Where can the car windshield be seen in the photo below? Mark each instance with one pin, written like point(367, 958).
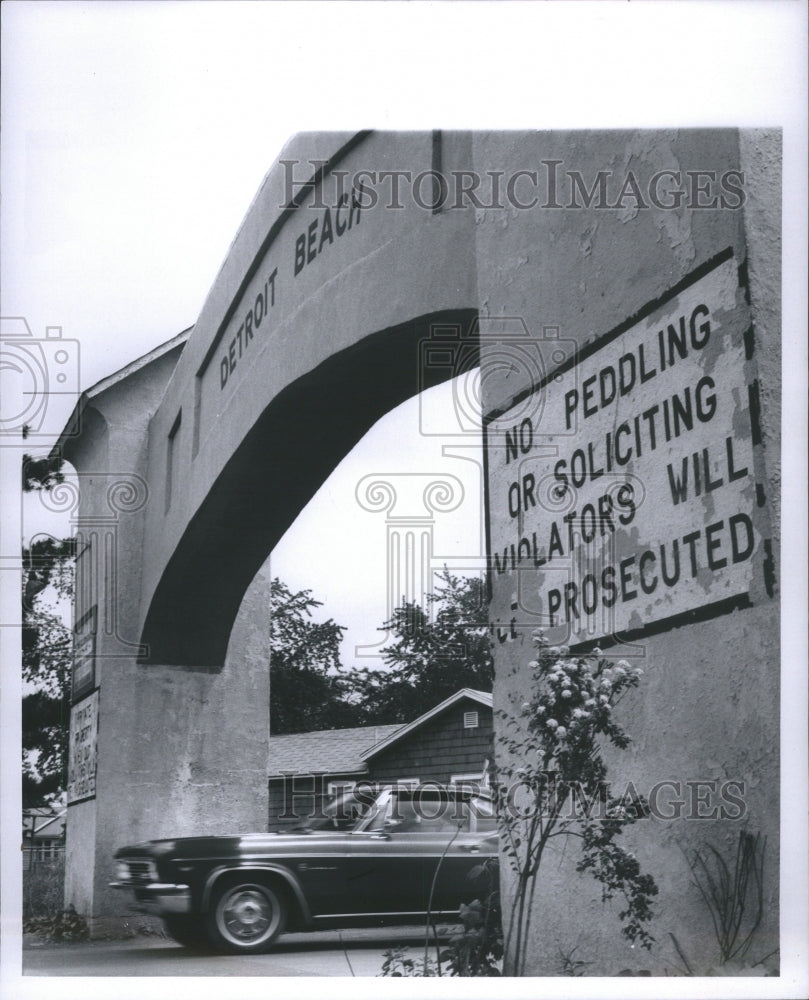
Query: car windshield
point(344, 811)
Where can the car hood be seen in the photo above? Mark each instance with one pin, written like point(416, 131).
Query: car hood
point(242, 844)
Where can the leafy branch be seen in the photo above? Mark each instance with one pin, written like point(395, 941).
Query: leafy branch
point(559, 788)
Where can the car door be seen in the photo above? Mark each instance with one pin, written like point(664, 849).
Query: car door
point(415, 846)
point(320, 870)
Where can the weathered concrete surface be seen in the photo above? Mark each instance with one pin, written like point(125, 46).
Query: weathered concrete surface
point(708, 705)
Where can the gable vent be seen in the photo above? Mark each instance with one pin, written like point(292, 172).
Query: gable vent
point(470, 720)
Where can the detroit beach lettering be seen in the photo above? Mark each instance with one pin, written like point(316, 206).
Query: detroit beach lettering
point(319, 234)
point(249, 326)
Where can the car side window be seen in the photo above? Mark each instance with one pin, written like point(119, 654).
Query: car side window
point(375, 815)
point(423, 814)
point(404, 818)
point(484, 817)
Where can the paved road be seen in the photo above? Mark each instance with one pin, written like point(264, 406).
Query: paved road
point(317, 954)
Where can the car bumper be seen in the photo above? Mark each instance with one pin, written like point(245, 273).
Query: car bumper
point(158, 899)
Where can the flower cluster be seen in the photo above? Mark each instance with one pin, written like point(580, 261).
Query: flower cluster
point(573, 698)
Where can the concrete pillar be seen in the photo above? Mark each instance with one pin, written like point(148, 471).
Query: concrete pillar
point(582, 262)
point(178, 750)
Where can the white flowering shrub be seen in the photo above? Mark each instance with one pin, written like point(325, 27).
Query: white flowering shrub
point(557, 786)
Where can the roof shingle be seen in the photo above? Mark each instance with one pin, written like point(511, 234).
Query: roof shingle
point(335, 751)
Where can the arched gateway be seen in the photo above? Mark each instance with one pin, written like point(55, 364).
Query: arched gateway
point(620, 291)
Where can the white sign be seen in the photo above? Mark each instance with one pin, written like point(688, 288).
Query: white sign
point(82, 753)
point(638, 504)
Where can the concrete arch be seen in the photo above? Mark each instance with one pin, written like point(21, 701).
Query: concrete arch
point(314, 328)
point(298, 440)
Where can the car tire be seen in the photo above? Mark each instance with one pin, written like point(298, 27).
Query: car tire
point(187, 931)
point(246, 915)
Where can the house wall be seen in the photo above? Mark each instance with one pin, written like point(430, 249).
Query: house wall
point(46, 850)
point(439, 749)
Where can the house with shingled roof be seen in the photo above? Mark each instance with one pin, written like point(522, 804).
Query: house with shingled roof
point(450, 744)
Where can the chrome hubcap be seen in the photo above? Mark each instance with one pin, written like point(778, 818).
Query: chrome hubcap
point(247, 915)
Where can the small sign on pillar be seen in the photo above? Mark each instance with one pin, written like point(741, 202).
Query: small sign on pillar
point(84, 654)
point(83, 750)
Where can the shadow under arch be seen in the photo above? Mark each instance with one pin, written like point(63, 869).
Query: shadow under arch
point(300, 438)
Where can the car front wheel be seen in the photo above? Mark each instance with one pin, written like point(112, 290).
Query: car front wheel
point(246, 916)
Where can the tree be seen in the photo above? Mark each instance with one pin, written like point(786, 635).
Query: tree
point(47, 657)
point(42, 473)
point(306, 691)
point(432, 656)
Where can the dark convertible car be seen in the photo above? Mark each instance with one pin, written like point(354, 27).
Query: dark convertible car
point(372, 856)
